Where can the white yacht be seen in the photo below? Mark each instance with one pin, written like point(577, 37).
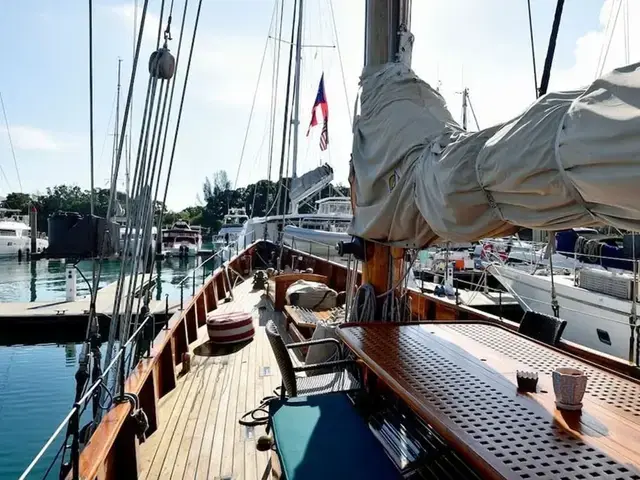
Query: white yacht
point(133, 234)
point(181, 240)
point(15, 235)
point(232, 225)
point(317, 233)
point(596, 300)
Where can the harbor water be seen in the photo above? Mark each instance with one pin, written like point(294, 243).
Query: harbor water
point(37, 381)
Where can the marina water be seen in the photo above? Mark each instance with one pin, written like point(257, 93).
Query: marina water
point(37, 381)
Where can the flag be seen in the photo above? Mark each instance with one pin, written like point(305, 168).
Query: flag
point(321, 101)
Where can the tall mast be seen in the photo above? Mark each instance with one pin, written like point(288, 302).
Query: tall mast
point(296, 92)
point(385, 21)
point(465, 94)
point(116, 128)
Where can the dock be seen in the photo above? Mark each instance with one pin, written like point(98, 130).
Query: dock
point(33, 322)
point(502, 304)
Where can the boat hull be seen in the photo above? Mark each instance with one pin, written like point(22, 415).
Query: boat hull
point(10, 246)
point(316, 242)
point(188, 250)
point(586, 312)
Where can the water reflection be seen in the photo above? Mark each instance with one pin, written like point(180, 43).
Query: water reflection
point(44, 280)
point(70, 354)
point(37, 381)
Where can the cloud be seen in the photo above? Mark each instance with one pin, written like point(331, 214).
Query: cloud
point(26, 137)
point(489, 55)
point(599, 51)
point(127, 13)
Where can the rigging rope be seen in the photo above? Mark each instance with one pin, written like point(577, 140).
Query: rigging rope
point(286, 108)
point(274, 99)
point(533, 49)
point(13, 152)
point(255, 95)
point(179, 116)
point(116, 316)
point(91, 195)
point(544, 85)
point(604, 52)
point(118, 156)
point(127, 165)
point(161, 69)
point(150, 215)
point(344, 82)
point(627, 52)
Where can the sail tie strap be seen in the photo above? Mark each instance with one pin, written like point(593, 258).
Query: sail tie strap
point(571, 188)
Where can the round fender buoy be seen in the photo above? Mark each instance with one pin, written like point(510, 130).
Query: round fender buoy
point(233, 327)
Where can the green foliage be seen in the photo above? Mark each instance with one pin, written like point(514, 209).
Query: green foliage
point(18, 201)
point(219, 196)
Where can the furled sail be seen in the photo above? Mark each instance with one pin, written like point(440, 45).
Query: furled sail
point(571, 159)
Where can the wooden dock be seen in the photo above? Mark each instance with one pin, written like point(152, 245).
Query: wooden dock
point(62, 321)
point(475, 298)
point(104, 303)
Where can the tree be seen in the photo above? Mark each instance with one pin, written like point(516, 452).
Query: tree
point(221, 181)
point(257, 199)
point(18, 201)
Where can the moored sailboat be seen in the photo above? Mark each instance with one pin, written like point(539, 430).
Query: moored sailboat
point(436, 393)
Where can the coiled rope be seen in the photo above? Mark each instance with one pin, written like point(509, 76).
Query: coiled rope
point(363, 307)
point(589, 250)
point(260, 414)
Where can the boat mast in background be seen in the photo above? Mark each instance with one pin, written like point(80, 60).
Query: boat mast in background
point(116, 124)
point(466, 105)
point(296, 91)
point(386, 22)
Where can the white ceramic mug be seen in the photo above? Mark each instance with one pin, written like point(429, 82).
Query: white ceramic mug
point(569, 385)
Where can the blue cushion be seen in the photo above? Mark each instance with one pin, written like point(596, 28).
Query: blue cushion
point(322, 436)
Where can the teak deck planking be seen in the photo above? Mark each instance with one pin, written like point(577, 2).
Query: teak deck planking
point(211, 391)
point(199, 434)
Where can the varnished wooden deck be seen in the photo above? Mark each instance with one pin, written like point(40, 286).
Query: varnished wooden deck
point(199, 436)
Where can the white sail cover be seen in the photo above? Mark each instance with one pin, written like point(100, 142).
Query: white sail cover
point(572, 159)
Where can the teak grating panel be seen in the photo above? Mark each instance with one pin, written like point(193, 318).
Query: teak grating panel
point(602, 386)
point(510, 433)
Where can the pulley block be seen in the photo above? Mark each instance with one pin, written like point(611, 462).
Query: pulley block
point(162, 64)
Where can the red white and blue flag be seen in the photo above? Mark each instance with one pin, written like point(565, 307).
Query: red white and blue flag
point(321, 101)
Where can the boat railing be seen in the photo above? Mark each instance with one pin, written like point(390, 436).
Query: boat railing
point(231, 249)
point(480, 286)
point(307, 246)
point(578, 261)
point(73, 418)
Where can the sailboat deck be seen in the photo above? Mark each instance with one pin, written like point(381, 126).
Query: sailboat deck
point(199, 434)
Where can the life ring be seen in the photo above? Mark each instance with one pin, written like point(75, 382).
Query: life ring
point(228, 328)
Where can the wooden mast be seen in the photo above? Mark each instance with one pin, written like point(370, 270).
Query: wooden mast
point(384, 20)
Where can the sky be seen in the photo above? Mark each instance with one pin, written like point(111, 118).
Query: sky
point(482, 45)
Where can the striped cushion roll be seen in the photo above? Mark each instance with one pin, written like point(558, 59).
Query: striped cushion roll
point(233, 327)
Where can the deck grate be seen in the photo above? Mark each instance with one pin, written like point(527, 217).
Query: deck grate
point(603, 387)
point(516, 433)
